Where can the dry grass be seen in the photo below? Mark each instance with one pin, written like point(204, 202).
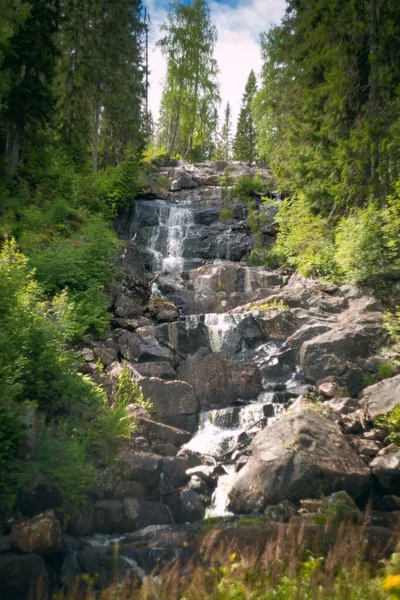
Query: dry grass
point(275, 562)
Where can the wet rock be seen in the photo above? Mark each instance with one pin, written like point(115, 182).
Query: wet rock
point(167, 316)
point(141, 466)
point(23, 577)
point(186, 506)
point(250, 331)
point(185, 338)
point(218, 382)
point(209, 474)
point(302, 455)
point(174, 471)
point(381, 398)
point(131, 293)
point(154, 430)
point(281, 512)
point(40, 534)
point(153, 513)
point(106, 567)
point(386, 468)
point(174, 402)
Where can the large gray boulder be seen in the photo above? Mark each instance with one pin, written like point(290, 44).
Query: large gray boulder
point(159, 432)
point(174, 402)
point(218, 382)
point(132, 290)
point(330, 352)
point(303, 455)
point(386, 468)
point(381, 398)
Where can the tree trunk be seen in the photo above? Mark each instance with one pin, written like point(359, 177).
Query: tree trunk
point(96, 132)
point(15, 151)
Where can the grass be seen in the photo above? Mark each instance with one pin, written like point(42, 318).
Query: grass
point(268, 306)
point(267, 564)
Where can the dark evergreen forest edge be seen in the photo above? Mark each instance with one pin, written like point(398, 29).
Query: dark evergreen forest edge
point(78, 143)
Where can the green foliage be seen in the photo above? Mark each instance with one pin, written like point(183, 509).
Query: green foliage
point(223, 146)
point(128, 391)
point(336, 510)
point(63, 460)
point(391, 422)
point(268, 306)
point(305, 240)
point(385, 371)
point(246, 187)
point(188, 115)
point(226, 213)
point(391, 322)
point(244, 145)
point(163, 182)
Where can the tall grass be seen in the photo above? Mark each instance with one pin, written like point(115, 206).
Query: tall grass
point(283, 563)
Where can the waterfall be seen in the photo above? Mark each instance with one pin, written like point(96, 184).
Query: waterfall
point(169, 225)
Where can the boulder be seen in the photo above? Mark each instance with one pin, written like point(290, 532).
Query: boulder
point(105, 355)
point(167, 316)
point(218, 382)
point(82, 522)
point(129, 489)
point(185, 506)
point(141, 466)
point(153, 513)
point(131, 292)
point(23, 577)
point(303, 455)
point(386, 468)
point(105, 566)
point(131, 507)
point(161, 370)
point(381, 398)
point(281, 512)
point(153, 430)
point(40, 534)
point(329, 353)
point(174, 402)
point(108, 514)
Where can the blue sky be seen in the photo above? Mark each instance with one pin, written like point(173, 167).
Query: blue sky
point(239, 24)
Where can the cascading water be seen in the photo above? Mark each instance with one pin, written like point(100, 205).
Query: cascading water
point(168, 232)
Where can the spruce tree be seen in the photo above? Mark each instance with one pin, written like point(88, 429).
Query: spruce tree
point(244, 146)
point(224, 142)
point(190, 96)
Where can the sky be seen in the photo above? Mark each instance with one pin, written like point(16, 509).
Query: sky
point(239, 24)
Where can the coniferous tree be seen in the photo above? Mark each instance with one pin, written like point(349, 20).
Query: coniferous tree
point(327, 114)
point(28, 65)
point(244, 146)
point(190, 96)
point(224, 142)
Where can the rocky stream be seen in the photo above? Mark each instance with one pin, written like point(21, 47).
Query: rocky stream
point(257, 378)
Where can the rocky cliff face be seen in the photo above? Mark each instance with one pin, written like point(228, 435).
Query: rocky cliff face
point(222, 348)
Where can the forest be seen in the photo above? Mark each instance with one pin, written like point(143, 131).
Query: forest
point(79, 146)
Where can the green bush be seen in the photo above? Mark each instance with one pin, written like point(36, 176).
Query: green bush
point(391, 322)
point(391, 422)
point(128, 391)
point(226, 213)
point(64, 461)
point(83, 264)
point(246, 187)
point(305, 240)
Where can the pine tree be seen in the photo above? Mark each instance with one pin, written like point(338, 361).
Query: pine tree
point(190, 95)
point(244, 146)
point(28, 61)
point(224, 141)
point(100, 79)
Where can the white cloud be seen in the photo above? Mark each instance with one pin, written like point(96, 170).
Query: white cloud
point(237, 50)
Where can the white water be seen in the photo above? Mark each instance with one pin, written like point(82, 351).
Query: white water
point(167, 239)
point(220, 497)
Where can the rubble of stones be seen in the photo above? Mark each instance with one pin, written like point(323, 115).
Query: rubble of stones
point(154, 498)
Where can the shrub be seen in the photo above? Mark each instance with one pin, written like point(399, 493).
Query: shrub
point(128, 391)
point(391, 322)
point(246, 187)
point(82, 264)
point(391, 422)
point(268, 306)
point(64, 461)
point(226, 213)
point(304, 240)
